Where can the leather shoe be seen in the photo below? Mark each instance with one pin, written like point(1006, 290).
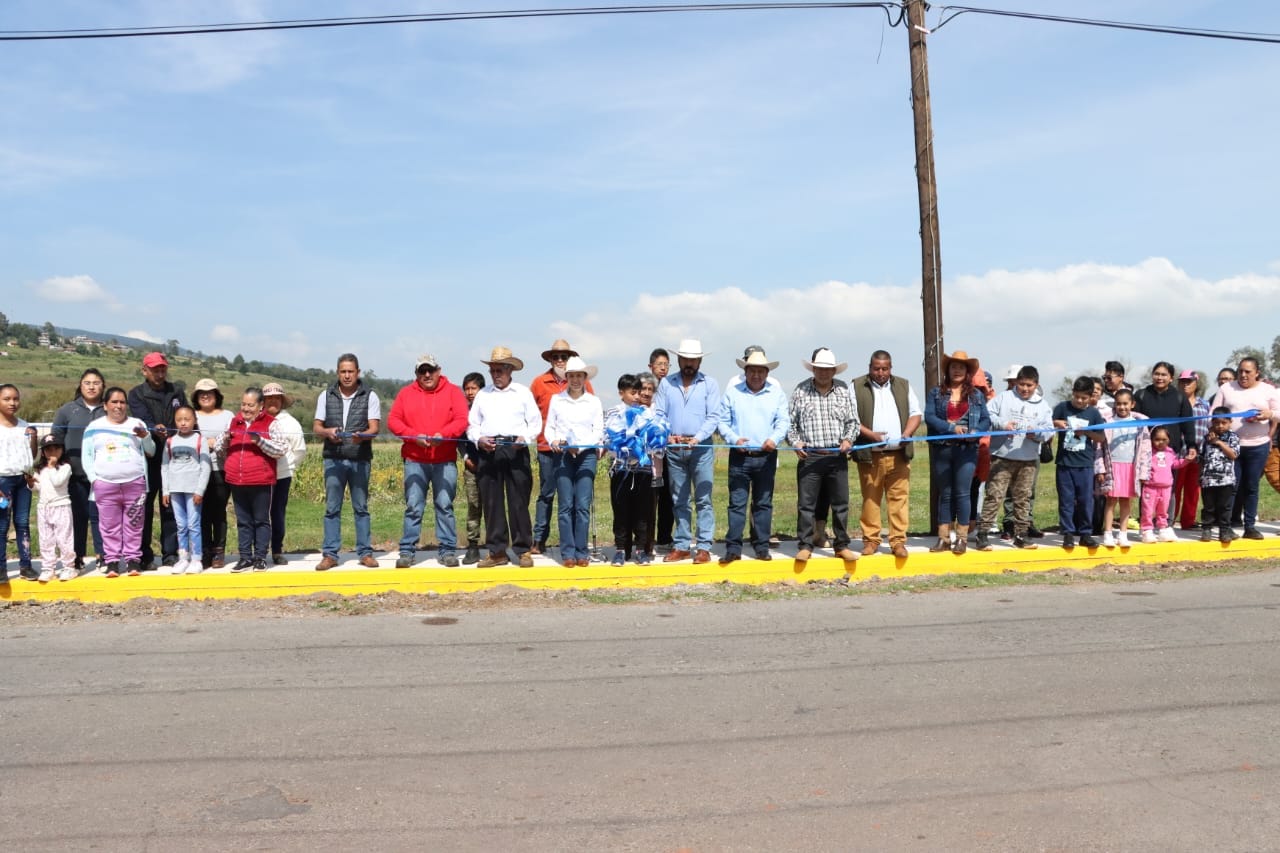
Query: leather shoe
point(803, 555)
point(526, 560)
point(765, 556)
point(675, 555)
point(538, 548)
point(326, 563)
point(583, 562)
point(368, 561)
point(703, 556)
point(869, 548)
point(727, 558)
point(847, 555)
point(900, 550)
point(494, 559)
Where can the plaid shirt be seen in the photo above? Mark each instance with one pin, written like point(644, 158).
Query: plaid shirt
point(1200, 408)
point(822, 420)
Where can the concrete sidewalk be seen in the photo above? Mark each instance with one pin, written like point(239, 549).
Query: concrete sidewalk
point(349, 578)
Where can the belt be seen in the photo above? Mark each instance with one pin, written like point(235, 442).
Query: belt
point(814, 451)
point(887, 449)
point(751, 452)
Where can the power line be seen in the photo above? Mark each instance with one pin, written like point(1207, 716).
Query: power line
point(888, 6)
point(950, 13)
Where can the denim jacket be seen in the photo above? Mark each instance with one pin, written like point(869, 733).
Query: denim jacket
point(935, 413)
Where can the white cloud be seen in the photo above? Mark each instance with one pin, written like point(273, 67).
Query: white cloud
point(224, 333)
point(144, 336)
point(72, 288)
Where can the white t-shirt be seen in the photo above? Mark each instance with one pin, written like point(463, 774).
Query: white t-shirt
point(15, 450)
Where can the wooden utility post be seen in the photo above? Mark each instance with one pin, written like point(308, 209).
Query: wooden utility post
point(927, 187)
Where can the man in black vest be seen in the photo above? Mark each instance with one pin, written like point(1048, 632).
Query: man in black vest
point(348, 417)
point(888, 411)
point(154, 402)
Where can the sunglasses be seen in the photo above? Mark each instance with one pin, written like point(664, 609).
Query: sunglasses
point(424, 369)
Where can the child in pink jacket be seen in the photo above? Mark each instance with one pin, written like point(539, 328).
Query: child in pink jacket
point(1156, 476)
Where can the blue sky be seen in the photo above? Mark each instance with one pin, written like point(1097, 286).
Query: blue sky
point(629, 181)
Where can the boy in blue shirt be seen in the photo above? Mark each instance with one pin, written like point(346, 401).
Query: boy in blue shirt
point(1078, 421)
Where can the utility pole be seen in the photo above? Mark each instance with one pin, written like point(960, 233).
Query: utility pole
point(927, 187)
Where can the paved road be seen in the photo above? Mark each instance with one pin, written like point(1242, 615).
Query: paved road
point(1080, 718)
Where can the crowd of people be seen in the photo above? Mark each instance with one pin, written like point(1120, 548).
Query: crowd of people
point(115, 460)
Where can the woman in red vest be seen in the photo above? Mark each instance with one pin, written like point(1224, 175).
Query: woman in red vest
point(251, 450)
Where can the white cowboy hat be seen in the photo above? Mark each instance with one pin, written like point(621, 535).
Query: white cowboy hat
point(690, 348)
point(576, 365)
point(757, 359)
point(825, 358)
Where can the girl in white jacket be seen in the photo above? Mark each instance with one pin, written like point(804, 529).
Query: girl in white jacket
point(52, 483)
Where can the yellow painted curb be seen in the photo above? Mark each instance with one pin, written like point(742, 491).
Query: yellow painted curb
point(276, 583)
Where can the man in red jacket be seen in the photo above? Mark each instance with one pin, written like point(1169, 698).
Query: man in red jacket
point(429, 415)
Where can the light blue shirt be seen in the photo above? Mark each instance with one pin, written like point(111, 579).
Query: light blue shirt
point(757, 417)
point(690, 411)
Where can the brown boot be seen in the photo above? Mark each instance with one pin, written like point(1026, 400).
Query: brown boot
point(962, 539)
point(944, 539)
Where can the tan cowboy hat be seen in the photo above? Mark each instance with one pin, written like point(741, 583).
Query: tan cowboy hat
point(577, 365)
point(825, 358)
point(502, 355)
point(559, 345)
point(275, 389)
point(958, 355)
point(757, 359)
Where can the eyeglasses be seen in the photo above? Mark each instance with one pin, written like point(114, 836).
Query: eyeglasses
point(559, 356)
point(424, 369)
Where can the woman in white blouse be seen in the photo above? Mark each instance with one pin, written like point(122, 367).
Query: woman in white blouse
point(575, 429)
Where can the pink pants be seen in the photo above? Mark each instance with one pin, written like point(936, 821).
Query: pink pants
point(120, 513)
point(54, 524)
point(1155, 506)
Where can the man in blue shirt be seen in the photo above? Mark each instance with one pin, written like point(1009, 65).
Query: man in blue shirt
point(753, 421)
point(689, 401)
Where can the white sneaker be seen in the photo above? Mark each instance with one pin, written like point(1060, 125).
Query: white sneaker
point(196, 566)
point(180, 566)
point(1149, 537)
point(68, 573)
point(1122, 539)
point(46, 574)
point(1108, 540)
point(1167, 535)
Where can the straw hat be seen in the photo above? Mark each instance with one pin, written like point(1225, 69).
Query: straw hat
point(559, 345)
point(757, 359)
point(959, 355)
point(502, 355)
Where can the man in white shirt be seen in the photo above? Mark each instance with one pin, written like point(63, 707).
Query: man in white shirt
point(504, 421)
point(888, 411)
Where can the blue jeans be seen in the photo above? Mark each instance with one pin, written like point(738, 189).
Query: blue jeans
point(186, 512)
point(19, 509)
point(754, 474)
point(1249, 465)
point(953, 467)
point(1075, 500)
point(341, 475)
point(691, 470)
point(548, 486)
point(575, 488)
point(442, 479)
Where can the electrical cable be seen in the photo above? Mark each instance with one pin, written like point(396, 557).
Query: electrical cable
point(950, 13)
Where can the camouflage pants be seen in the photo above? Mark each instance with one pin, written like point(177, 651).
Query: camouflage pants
point(472, 490)
point(1017, 477)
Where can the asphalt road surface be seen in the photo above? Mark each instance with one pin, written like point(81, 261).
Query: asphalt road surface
point(1088, 717)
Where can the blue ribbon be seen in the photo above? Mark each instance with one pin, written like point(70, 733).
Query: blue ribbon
point(636, 443)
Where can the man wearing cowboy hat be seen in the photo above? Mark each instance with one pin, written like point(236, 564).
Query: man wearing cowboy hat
point(545, 386)
point(823, 426)
point(348, 417)
point(504, 421)
point(889, 412)
point(753, 421)
point(429, 416)
point(690, 402)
